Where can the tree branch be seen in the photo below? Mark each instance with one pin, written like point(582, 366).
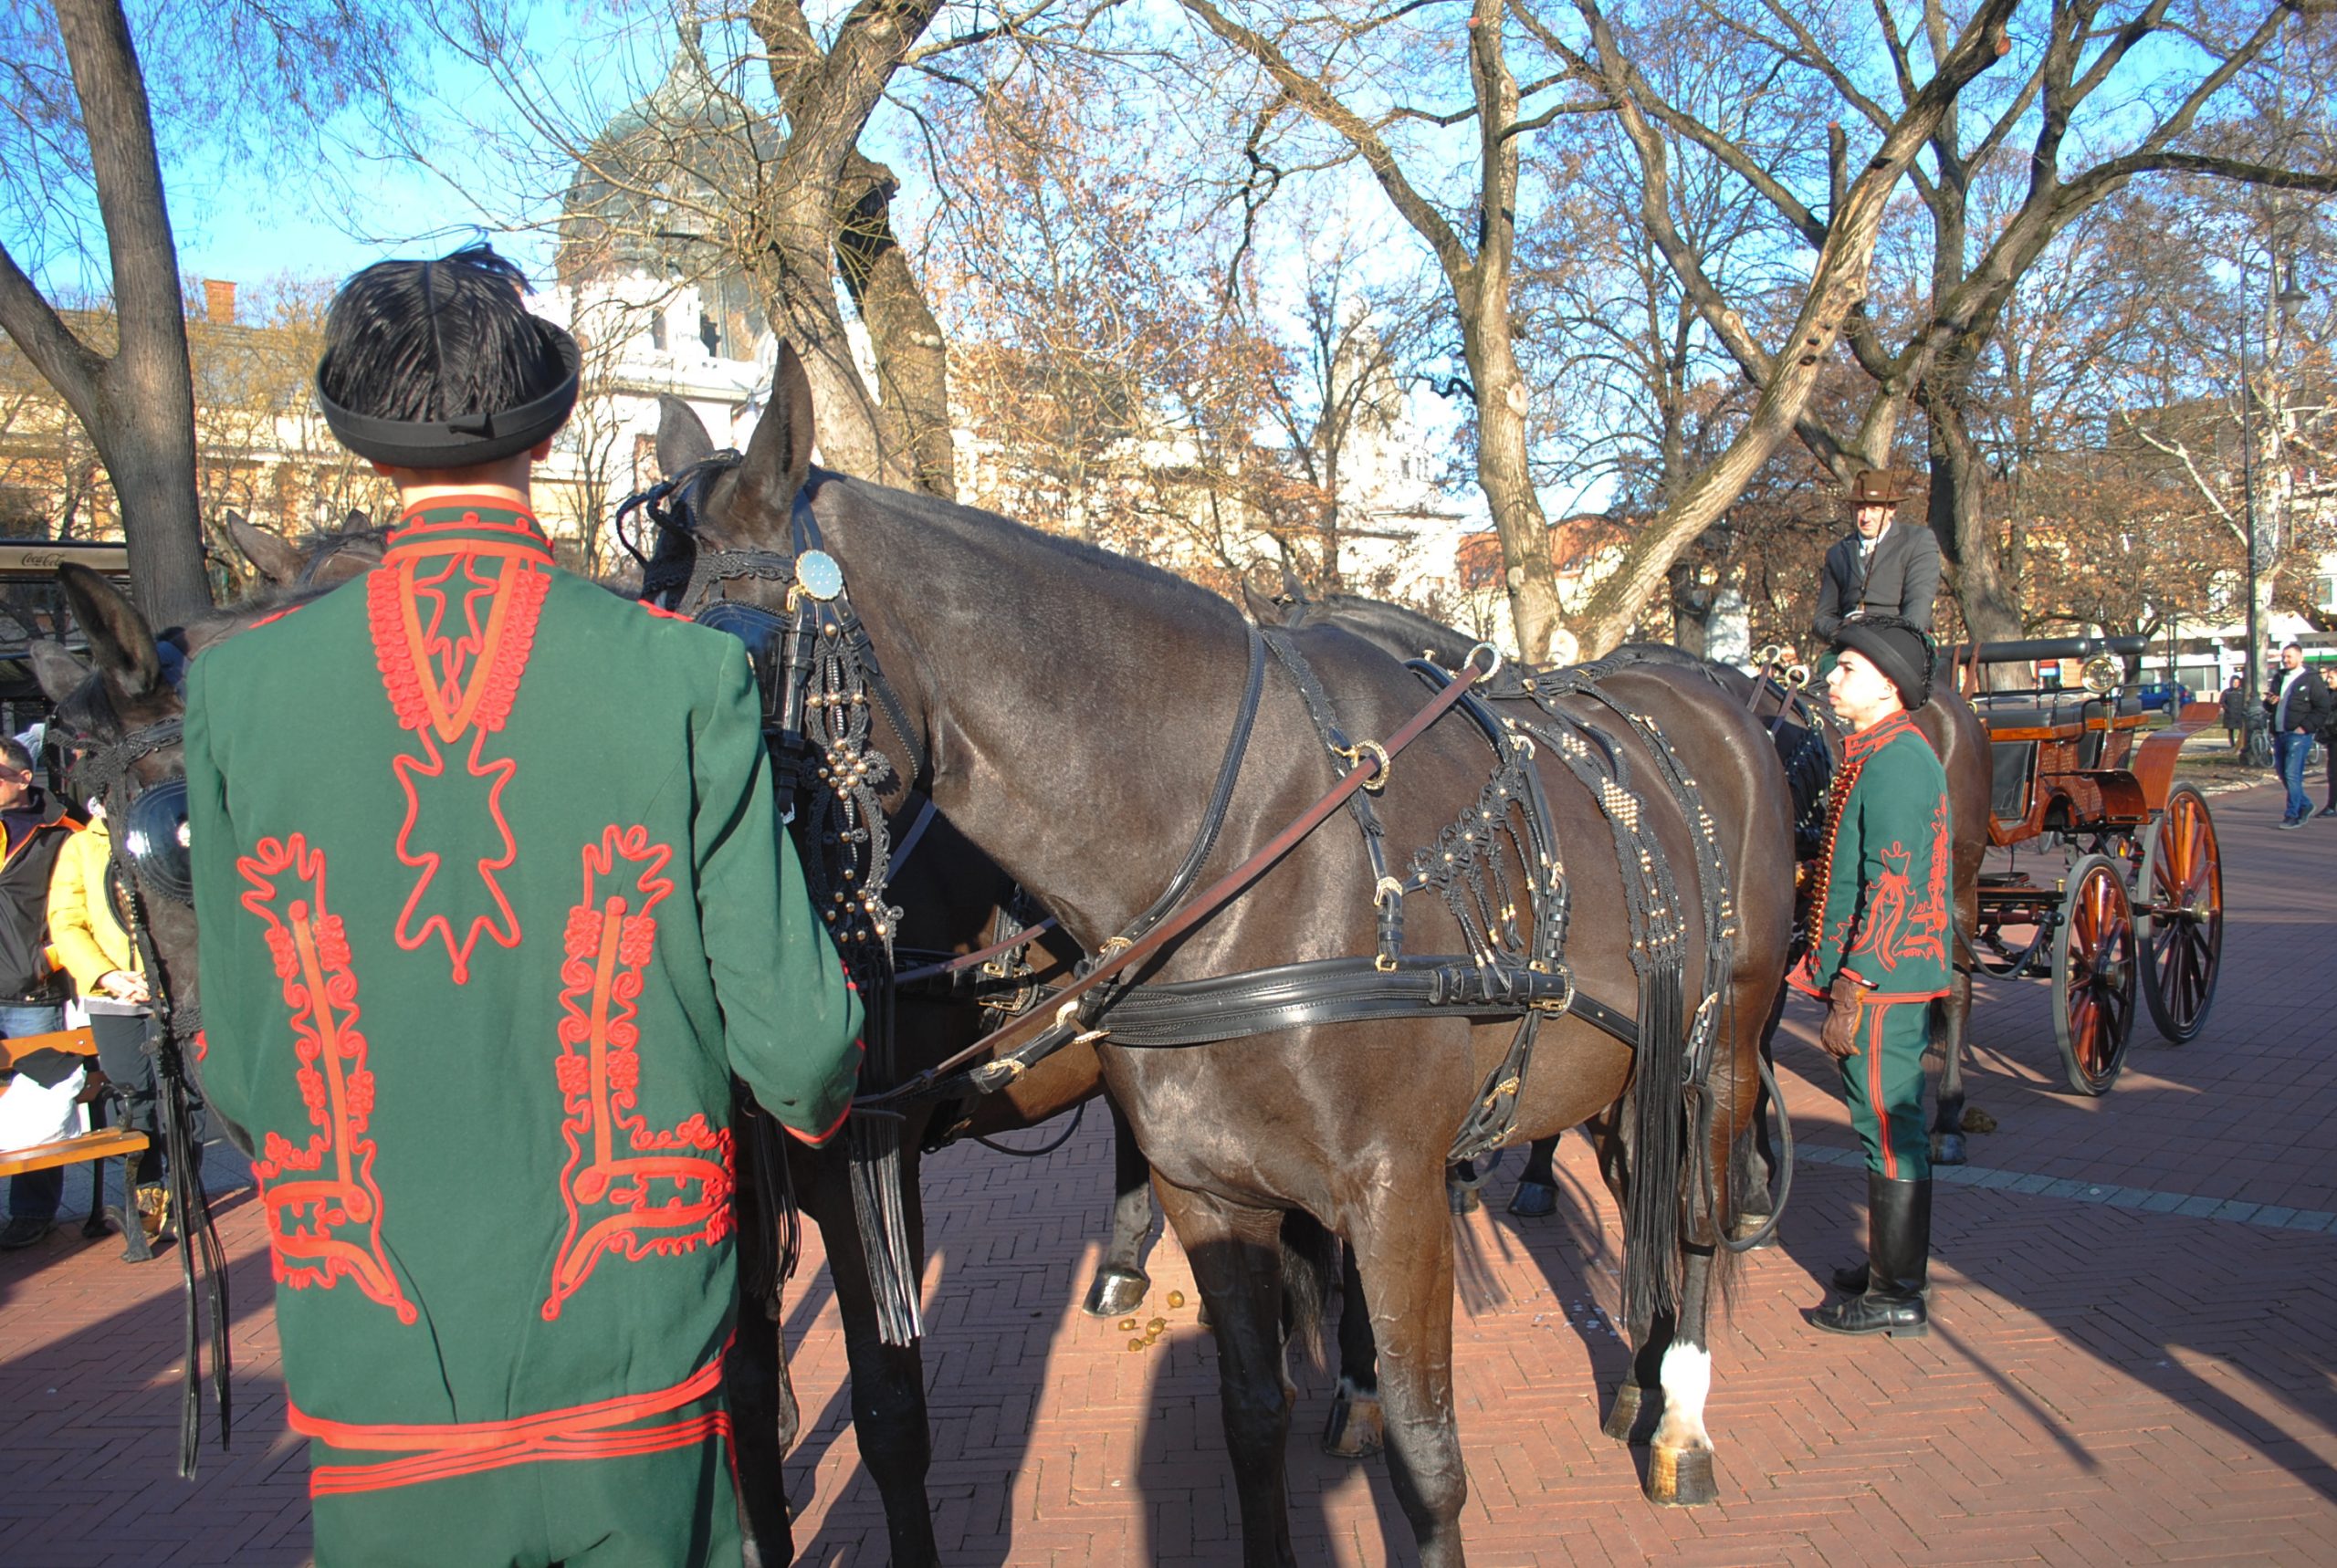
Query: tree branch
point(1305, 89)
point(66, 363)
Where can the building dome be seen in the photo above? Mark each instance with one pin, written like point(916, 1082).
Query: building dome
point(651, 193)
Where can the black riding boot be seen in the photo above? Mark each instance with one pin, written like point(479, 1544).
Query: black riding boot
point(1899, 1238)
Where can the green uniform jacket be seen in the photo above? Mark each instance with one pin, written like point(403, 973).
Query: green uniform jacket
point(493, 905)
point(1883, 877)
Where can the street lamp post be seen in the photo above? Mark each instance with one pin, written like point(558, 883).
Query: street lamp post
point(2291, 299)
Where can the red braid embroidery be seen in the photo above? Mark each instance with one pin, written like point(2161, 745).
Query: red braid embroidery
point(629, 1189)
point(446, 683)
point(324, 1211)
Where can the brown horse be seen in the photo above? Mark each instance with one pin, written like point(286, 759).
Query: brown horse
point(1947, 721)
point(1074, 705)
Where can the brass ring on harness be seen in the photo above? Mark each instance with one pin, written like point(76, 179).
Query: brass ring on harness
point(1111, 945)
point(1356, 754)
point(1797, 677)
point(1490, 671)
point(1065, 1018)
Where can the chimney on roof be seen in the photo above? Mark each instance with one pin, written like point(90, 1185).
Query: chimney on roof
point(219, 302)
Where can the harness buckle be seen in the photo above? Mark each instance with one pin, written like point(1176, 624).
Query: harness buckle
point(1356, 754)
point(1558, 1006)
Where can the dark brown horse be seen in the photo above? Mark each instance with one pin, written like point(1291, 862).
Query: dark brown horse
point(1947, 721)
point(1074, 705)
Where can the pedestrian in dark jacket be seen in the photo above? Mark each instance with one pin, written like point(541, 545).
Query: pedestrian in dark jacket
point(33, 828)
point(2329, 744)
point(2300, 707)
point(2235, 712)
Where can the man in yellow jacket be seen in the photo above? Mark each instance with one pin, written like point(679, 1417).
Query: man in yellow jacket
point(97, 952)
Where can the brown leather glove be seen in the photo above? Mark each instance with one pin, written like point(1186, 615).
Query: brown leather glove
point(1840, 1038)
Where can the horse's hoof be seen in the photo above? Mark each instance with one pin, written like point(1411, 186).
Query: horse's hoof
point(1631, 1418)
point(1115, 1293)
point(1462, 1198)
point(1947, 1148)
point(1681, 1477)
point(1748, 1226)
point(1533, 1200)
point(1357, 1430)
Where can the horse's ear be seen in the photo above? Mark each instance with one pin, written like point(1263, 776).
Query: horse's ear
point(1259, 603)
point(341, 566)
point(682, 439)
point(275, 558)
point(358, 521)
point(1293, 591)
point(120, 640)
point(779, 454)
point(59, 672)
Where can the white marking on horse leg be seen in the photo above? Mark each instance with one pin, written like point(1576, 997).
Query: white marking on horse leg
point(1687, 1379)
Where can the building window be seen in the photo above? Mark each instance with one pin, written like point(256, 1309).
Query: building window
point(2324, 593)
point(657, 330)
point(710, 333)
point(644, 463)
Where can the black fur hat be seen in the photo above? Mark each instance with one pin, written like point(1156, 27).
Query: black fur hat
point(1897, 648)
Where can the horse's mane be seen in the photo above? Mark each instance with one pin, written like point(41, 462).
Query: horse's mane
point(955, 517)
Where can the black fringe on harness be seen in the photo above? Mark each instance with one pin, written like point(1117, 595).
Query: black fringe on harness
point(1652, 1259)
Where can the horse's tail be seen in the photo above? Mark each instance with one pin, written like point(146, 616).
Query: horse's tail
point(1310, 1272)
point(1661, 1169)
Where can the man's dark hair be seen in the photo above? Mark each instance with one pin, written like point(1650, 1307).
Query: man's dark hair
point(2291, 647)
point(12, 753)
point(437, 340)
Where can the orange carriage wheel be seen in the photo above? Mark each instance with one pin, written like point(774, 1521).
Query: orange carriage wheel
point(2180, 915)
point(2095, 974)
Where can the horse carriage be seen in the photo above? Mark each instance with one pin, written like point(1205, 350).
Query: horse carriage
point(2103, 873)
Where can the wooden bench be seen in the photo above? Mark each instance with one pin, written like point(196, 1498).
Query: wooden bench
point(98, 1144)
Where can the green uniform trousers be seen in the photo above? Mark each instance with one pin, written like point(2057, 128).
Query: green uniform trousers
point(676, 1508)
point(1882, 1079)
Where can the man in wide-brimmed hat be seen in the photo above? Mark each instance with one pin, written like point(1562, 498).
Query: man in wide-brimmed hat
point(1883, 568)
point(1879, 946)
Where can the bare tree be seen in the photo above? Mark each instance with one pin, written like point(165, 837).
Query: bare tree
point(748, 160)
point(137, 401)
point(2106, 91)
point(1590, 70)
point(91, 118)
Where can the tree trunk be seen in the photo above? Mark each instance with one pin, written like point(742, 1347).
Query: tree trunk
point(1692, 610)
point(1988, 596)
point(139, 405)
point(797, 272)
point(1508, 483)
point(1502, 469)
point(912, 358)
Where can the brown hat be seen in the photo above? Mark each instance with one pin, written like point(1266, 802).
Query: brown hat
point(1879, 487)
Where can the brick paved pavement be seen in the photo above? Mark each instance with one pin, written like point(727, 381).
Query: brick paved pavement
point(2120, 1375)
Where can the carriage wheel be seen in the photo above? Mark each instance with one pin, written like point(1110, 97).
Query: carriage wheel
point(2095, 974)
point(2181, 921)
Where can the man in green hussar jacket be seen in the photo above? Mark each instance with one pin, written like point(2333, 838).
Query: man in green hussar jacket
point(1881, 945)
point(494, 904)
